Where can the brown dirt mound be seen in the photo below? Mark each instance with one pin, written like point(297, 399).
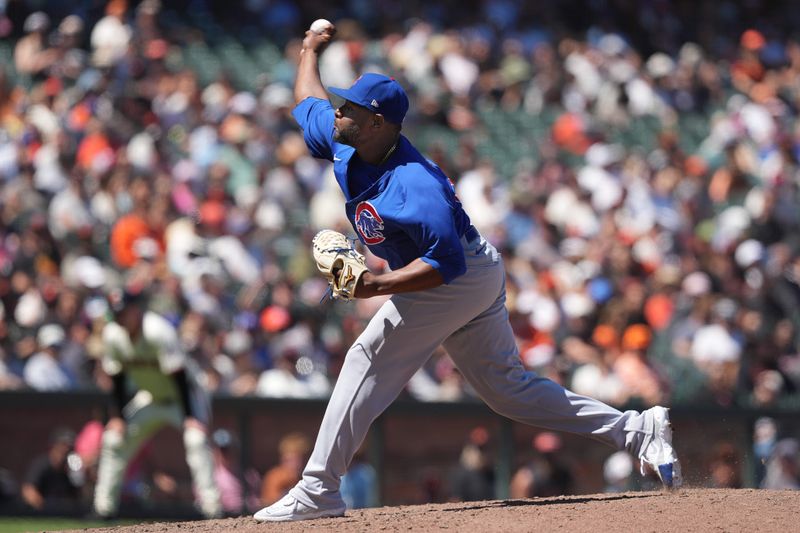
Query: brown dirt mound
point(700, 510)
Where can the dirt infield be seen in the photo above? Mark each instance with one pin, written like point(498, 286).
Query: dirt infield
point(700, 510)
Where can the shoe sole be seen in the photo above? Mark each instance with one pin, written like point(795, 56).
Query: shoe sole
point(305, 516)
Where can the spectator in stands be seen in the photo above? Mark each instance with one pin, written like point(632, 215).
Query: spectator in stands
point(359, 486)
point(44, 370)
point(473, 477)
point(595, 376)
point(9, 489)
point(768, 387)
point(293, 452)
point(235, 496)
point(640, 379)
point(716, 350)
point(294, 376)
point(32, 54)
point(49, 484)
point(8, 379)
point(545, 474)
point(234, 369)
point(111, 35)
point(783, 466)
point(617, 471)
point(765, 433)
point(231, 492)
point(724, 467)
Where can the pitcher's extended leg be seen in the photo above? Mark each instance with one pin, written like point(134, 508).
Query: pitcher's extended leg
point(486, 354)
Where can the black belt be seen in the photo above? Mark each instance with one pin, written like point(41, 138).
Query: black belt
point(471, 234)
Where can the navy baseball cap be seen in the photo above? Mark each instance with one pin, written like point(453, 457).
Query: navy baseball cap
point(378, 93)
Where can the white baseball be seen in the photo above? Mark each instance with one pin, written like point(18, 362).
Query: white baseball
point(320, 25)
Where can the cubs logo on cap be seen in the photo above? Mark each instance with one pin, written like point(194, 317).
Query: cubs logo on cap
point(378, 93)
point(369, 223)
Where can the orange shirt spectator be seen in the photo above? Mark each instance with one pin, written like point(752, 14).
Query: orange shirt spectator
point(94, 150)
point(294, 449)
point(126, 232)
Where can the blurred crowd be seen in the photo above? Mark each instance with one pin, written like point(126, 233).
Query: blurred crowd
point(661, 269)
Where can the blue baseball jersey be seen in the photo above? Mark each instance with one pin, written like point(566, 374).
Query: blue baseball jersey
point(403, 209)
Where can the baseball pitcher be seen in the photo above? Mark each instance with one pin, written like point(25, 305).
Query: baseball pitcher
point(154, 385)
point(447, 285)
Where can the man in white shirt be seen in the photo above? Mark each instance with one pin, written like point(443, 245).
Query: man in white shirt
point(43, 371)
point(111, 36)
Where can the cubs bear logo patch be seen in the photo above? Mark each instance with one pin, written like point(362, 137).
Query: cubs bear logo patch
point(369, 223)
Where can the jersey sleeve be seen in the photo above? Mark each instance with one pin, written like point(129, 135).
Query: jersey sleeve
point(315, 117)
point(430, 223)
point(171, 356)
point(112, 360)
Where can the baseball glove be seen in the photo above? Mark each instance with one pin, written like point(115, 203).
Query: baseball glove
point(339, 262)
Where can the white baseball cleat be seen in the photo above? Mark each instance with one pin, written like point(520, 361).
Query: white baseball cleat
point(289, 509)
point(659, 454)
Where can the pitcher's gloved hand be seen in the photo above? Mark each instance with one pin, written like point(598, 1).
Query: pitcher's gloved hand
point(339, 262)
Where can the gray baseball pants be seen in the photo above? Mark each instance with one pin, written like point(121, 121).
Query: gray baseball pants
point(469, 318)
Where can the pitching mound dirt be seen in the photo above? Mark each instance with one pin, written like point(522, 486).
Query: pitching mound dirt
point(700, 510)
